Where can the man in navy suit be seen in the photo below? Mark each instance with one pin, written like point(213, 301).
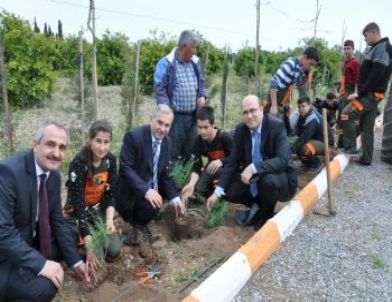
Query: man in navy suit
point(144, 179)
point(30, 187)
point(258, 171)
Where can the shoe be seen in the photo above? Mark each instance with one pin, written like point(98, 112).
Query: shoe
point(133, 239)
point(158, 216)
point(361, 162)
point(247, 217)
point(259, 224)
point(151, 238)
point(351, 151)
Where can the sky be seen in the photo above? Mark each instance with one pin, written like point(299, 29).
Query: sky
point(283, 23)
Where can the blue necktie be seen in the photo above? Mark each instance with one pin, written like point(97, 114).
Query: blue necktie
point(256, 157)
point(155, 158)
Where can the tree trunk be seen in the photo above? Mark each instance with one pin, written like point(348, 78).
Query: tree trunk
point(386, 146)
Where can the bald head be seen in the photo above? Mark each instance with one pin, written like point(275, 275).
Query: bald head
point(252, 112)
point(250, 99)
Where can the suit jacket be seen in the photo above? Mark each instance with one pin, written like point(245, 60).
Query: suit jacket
point(275, 150)
point(136, 169)
point(18, 212)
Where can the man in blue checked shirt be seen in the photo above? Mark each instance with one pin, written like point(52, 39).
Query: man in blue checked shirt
point(293, 71)
point(179, 83)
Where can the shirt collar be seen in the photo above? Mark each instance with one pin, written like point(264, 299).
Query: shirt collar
point(39, 170)
point(258, 129)
point(153, 139)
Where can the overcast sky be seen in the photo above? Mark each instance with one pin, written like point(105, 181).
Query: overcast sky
point(283, 23)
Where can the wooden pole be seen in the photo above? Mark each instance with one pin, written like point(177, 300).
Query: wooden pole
point(91, 17)
point(331, 207)
point(136, 84)
point(7, 113)
point(257, 48)
point(81, 85)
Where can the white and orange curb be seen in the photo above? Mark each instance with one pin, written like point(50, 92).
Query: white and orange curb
point(232, 275)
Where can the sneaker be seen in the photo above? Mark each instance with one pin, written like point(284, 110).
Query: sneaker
point(133, 239)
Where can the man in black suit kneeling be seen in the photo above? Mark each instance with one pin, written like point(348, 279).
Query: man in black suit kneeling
point(258, 172)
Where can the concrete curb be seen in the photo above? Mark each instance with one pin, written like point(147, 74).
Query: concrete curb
point(232, 275)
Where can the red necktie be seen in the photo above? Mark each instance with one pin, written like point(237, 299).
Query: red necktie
point(43, 219)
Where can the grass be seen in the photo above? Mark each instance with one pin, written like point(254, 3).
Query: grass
point(217, 214)
point(378, 263)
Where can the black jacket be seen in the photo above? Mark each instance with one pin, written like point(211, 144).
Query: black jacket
point(275, 150)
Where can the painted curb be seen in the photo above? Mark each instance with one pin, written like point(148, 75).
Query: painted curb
point(231, 276)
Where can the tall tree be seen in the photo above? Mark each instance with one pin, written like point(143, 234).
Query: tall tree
point(59, 29)
point(50, 32)
point(45, 29)
point(36, 28)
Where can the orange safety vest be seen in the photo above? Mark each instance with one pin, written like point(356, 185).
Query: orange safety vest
point(95, 188)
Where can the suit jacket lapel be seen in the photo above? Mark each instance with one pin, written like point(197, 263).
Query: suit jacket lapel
point(148, 146)
point(264, 133)
point(32, 184)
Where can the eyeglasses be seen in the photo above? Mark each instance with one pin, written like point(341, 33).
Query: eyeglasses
point(251, 111)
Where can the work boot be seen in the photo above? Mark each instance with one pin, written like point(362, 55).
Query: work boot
point(361, 162)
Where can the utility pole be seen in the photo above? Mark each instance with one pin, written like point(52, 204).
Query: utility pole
point(81, 84)
point(91, 27)
point(7, 114)
point(257, 48)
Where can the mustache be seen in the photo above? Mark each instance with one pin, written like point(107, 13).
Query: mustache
point(54, 157)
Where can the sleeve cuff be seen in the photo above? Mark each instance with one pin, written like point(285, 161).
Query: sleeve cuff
point(219, 191)
point(175, 201)
point(77, 264)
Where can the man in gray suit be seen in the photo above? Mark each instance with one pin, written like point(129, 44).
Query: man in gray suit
point(33, 233)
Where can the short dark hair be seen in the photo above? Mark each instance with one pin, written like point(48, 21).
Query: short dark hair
point(331, 96)
point(205, 113)
point(370, 27)
point(304, 99)
point(349, 43)
point(312, 53)
point(99, 125)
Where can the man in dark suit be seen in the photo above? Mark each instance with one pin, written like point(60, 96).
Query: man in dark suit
point(33, 233)
point(258, 171)
point(144, 179)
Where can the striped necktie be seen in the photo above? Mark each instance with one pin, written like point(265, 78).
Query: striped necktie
point(155, 159)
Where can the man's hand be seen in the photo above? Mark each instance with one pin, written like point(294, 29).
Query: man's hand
point(211, 201)
point(201, 101)
point(154, 198)
point(188, 191)
point(274, 110)
point(92, 262)
point(88, 278)
point(247, 174)
point(54, 272)
point(214, 166)
point(180, 209)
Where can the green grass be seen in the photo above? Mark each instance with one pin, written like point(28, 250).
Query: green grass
point(217, 214)
point(181, 171)
point(378, 263)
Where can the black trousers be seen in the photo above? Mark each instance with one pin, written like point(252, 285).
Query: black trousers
point(272, 187)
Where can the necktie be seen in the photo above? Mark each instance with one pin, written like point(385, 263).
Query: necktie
point(256, 157)
point(43, 219)
point(155, 158)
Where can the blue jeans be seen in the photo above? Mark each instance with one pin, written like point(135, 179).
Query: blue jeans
point(183, 135)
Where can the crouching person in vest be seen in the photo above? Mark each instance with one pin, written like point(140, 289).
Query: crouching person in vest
point(91, 185)
point(309, 130)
